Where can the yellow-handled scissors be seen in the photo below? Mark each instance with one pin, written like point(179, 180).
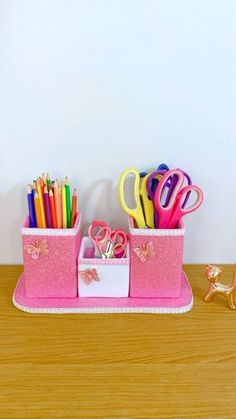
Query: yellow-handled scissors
point(140, 197)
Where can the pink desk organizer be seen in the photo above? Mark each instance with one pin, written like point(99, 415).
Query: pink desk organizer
point(50, 260)
point(156, 258)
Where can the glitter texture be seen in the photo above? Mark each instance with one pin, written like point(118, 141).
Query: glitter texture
point(160, 276)
point(55, 274)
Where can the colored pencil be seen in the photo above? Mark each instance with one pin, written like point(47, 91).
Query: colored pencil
point(38, 210)
point(47, 208)
point(60, 207)
point(48, 180)
point(41, 203)
point(57, 203)
point(64, 214)
point(33, 188)
point(74, 206)
point(32, 215)
point(68, 203)
point(51, 205)
point(44, 179)
point(52, 209)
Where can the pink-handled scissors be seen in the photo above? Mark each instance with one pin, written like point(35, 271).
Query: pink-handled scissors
point(172, 209)
point(117, 237)
point(99, 232)
point(108, 249)
point(93, 230)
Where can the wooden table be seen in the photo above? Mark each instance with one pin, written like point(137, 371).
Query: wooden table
point(121, 365)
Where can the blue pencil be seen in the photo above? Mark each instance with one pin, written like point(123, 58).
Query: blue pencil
point(32, 215)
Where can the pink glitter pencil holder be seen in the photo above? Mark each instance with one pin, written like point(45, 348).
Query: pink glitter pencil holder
point(50, 260)
point(99, 277)
point(156, 258)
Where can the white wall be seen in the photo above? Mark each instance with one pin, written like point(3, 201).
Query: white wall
point(88, 88)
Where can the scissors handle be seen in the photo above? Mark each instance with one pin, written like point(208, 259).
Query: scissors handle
point(136, 213)
point(146, 202)
point(151, 186)
point(179, 210)
point(189, 182)
point(176, 177)
point(95, 225)
point(119, 237)
point(93, 232)
point(161, 166)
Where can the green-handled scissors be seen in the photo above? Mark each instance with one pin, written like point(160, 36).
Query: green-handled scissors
point(143, 213)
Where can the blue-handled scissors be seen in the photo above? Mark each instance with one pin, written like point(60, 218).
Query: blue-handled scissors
point(161, 166)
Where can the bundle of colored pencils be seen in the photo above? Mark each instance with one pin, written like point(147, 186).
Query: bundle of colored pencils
point(50, 205)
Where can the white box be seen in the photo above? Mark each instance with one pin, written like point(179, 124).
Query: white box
point(99, 277)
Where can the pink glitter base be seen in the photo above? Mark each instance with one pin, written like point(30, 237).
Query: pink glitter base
point(181, 304)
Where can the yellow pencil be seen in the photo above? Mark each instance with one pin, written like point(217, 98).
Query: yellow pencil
point(41, 203)
point(59, 208)
point(64, 213)
point(37, 210)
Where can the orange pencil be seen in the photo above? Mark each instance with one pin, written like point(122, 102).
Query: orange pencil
point(38, 211)
point(44, 179)
point(74, 208)
point(52, 209)
point(41, 202)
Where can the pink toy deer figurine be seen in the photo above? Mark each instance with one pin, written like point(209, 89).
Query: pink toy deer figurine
point(213, 274)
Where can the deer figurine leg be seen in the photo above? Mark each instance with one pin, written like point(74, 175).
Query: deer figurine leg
point(230, 300)
point(209, 295)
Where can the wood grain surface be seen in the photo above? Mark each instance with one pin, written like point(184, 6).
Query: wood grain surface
point(121, 365)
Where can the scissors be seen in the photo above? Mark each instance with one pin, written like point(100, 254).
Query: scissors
point(146, 202)
point(94, 227)
point(161, 166)
point(154, 176)
point(108, 248)
point(104, 235)
point(170, 183)
point(172, 210)
point(141, 199)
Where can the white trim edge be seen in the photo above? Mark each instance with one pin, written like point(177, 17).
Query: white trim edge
point(68, 232)
point(105, 310)
point(155, 231)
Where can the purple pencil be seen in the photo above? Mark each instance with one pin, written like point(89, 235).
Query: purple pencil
point(32, 215)
point(47, 208)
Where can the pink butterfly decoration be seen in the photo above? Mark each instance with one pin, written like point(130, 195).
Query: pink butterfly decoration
point(145, 251)
point(89, 275)
point(36, 249)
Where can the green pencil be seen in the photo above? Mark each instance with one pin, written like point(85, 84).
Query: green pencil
point(48, 180)
point(68, 203)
